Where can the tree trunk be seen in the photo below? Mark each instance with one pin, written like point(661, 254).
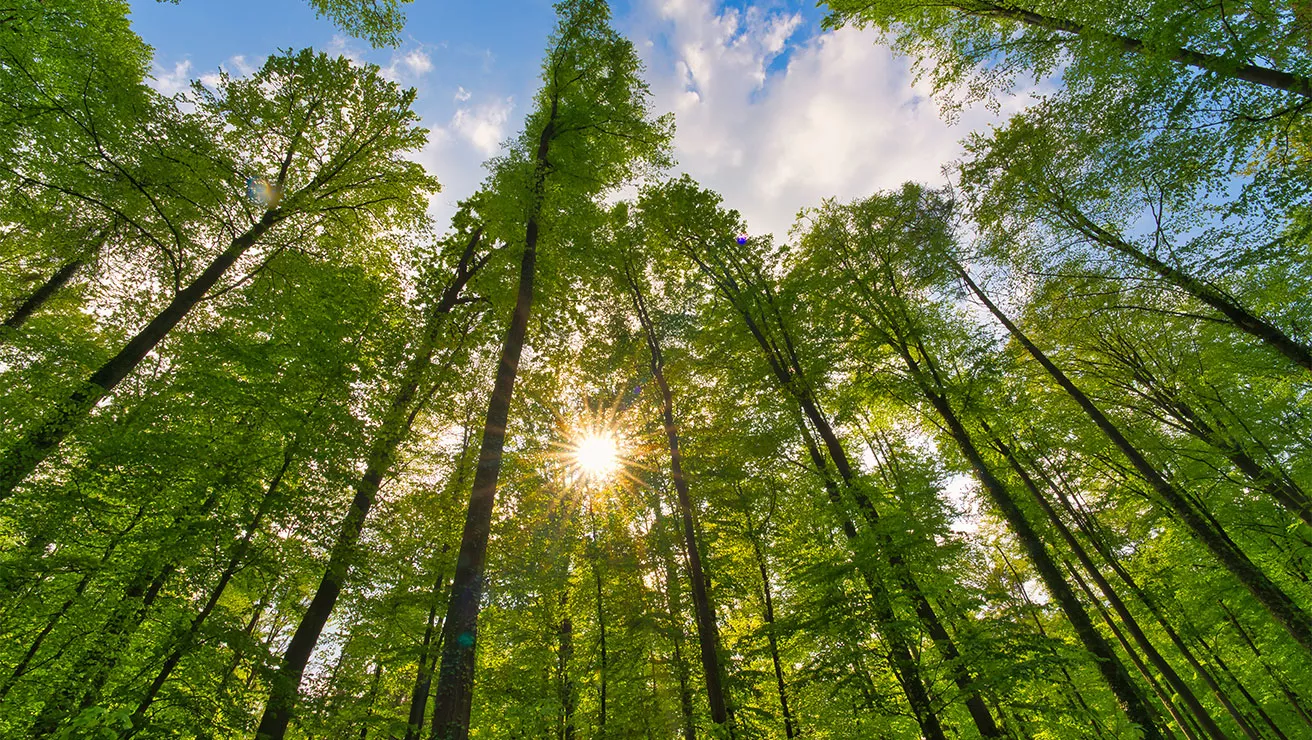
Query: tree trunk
point(455, 682)
point(1075, 699)
point(707, 630)
point(1216, 658)
point(97, 664)
point(1099, 543)
point(787, 369)
point(424, 675)
point(1294, 700)
point(38, 298)
point(83, 690)
point(1237, 314)
point(675, 606)
point(1173, 679)
point(40, 441)
point(185, 643)
point(787, 372)
point(285, 684)
point(1293, 618)
point(1277, 484)
point(373, 699)
point(925, 613)
point(22, 667)
point(1113, 671)
point(905, 667)
point(790, 730)
point(595, 548)
point(566, 684)
point(43, 294)
point(1180, 720)
point(1264, 76)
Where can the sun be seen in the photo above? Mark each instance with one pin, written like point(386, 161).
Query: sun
point(597, 455)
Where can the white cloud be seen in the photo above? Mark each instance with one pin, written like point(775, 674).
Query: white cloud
point(844, 118)
point(171, 83)
point(462, 95)
point(241, 66)
point(418, 62)
point(483, 125)
point(408, 66)
point(344, 47)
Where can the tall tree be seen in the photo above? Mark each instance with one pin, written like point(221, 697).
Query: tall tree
point(590, 125)
point(410, 393)
point(707, 631)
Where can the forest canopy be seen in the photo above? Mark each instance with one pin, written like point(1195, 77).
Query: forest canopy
point(1022, 453)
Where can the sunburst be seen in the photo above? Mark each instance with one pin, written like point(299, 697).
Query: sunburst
point(595, 451)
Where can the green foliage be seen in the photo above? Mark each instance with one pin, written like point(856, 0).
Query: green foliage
point(152, 572)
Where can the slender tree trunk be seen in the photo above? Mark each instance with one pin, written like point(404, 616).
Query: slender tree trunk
point(455, 682)
point(97, 664)
point(905, 667)
point(285, 684)
point(1252, 702)
point(39, 297)
point(564, 656)
point(786, 370)
point(82, 691)
point(1165, 697)
point(22, 667)
point(1221, 66)
point(424, 676)
point(1173, 679)
point(1237, 314)
point(925, 613)
point(185, 643)
point(432, 671)
point(1100, 544)
point(44, 437)
point(1277, 484)
point(1078, 698)
point(707, 630)
point(1294, 700)
point(1113, 671)
point(373, 699)
point(790, 730)
point(1293, 618)
point(675, 606)
point(595, 548)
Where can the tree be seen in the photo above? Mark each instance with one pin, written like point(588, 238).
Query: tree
point(363, 122)
point(590, 124)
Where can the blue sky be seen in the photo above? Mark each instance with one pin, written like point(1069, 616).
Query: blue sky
point(770, 112)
